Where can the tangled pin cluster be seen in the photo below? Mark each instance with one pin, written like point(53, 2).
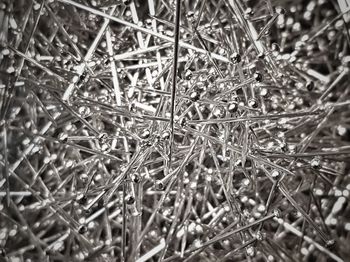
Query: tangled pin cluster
point(174, 130)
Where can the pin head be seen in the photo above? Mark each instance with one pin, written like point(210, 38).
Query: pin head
point(102, 137)
point(194, 96)
point(316, 163)
point(136, 178)
point(145, 134)
point(253, 103)
point(129, 199)
point(63, 137)
point(280, 10)
point(81, 199)
point(159, 185)
point(166, 134)
point(219, 112)
point(232, 107)
point(235, 58)
point(82, 229)
point(188, 74)
point(277, 213)
point(310, 85)
point(258, 77)
point(126, 2)
point(261, 55)
point(250, 251)
point(330, 243)
point(260, 236)
point(183, 122)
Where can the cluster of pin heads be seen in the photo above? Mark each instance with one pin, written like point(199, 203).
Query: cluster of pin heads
point(174, 130)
